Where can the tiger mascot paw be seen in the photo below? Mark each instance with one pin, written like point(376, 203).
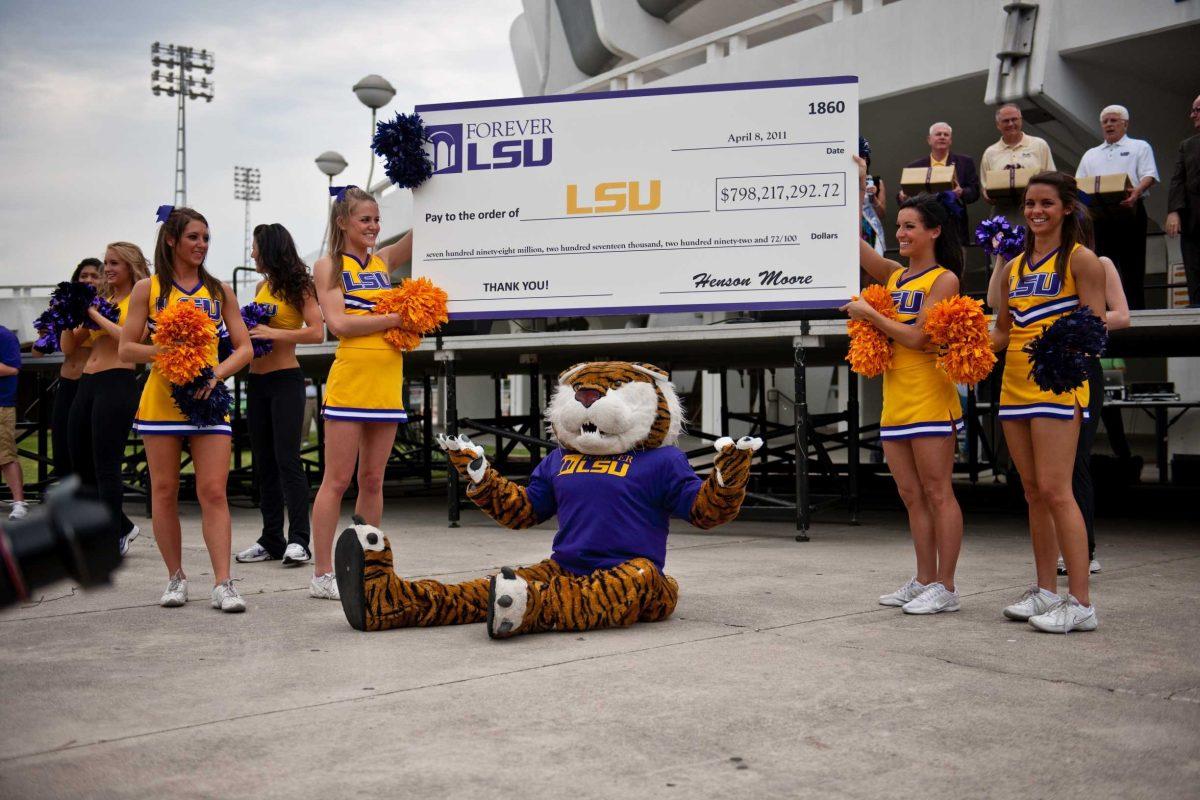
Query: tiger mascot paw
point(466, 456)
point(508, 598)
point(362, 564)
point(732, 462)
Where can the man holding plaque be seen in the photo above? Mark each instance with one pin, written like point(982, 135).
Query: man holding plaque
point(966, 178)
point(1008, 164)
point(1120, 213)
point(1183, 205)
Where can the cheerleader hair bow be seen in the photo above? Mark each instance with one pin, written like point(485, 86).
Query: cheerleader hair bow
point(163, 212)
point(338, 193)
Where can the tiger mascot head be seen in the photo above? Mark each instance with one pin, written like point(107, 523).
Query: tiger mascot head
point(605, 408)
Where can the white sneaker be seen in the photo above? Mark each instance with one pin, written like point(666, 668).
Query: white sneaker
point(1066, 615)
point(295, 555)
point(19, 509)
point(934, 599)
point(324, 587)
point(1094, 566)
point(1036, 600)
point(129, 537)
point(908, 591)
point(176, 593)
point(255, 552)
point(226, 598)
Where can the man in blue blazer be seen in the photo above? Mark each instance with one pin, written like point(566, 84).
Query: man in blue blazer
point(965, 174)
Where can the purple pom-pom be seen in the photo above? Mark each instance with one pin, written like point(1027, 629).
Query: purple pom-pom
point(107, 309)
point(67, 310)
point(211, 411)
point(999, 238)
point(255, 314)
point(1059, 357)
point(401, 144)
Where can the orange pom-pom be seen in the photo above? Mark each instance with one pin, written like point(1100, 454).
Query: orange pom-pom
point(184, 335)
point(870, 349)
point(421, 305)
point(959, 330)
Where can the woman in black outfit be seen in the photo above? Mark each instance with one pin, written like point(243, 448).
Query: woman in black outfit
point(75, 355)
point(275, 396)
point(107, 399)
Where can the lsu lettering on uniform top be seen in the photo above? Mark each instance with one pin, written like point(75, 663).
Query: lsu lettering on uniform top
point(918, 398)
point(366, 381)
point(283, 315)
point(1036, 298)
point(157, 413)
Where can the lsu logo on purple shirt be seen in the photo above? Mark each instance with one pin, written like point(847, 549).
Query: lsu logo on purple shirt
point(210, 307)
point(366, 281)
point(908, 302)
point(617, 466)
point(1037, 284)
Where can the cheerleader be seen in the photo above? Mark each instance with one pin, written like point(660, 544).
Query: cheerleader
point(921, 408)
point(180, 277)
point(108, 393)
point(363, 395)
point(75, 356)
point(275, 395)
point(1055, 275)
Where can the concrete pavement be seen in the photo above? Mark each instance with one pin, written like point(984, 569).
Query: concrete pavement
point(779, 676)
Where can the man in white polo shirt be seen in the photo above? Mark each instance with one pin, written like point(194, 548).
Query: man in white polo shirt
point(1017, 148)
point(1121, 230)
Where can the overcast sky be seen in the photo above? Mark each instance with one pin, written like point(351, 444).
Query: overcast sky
point(87, 152)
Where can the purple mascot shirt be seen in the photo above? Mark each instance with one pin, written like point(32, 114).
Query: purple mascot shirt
point(612, 509)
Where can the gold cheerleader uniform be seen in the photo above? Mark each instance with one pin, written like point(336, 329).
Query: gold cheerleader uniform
point(282, 314)
point(157, 414)
point(366, 381)
point(1037, 296)
point(918, 398)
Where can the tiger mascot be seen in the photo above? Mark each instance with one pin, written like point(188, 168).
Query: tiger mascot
point(614, 482)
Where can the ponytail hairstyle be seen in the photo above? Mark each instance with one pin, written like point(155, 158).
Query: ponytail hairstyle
point(164, 252)
point(340, 211)
point(286, 273)
point(133, 256)
point(1073, 224)
point(96, 263)
point(947, 249)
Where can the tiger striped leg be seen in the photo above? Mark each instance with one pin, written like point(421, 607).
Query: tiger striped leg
point(610, 598)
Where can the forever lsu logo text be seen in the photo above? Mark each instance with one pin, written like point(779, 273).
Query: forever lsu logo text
point(617, 466)
point(462, 147)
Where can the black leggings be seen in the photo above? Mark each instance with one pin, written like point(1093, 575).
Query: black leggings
point(1081, 480)
point(275, 412)
point(64, 397)
point(100, 421)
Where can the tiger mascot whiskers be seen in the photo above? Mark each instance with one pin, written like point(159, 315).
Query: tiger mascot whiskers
point(614, 482)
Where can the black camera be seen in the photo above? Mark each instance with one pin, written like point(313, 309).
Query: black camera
point(68, 537)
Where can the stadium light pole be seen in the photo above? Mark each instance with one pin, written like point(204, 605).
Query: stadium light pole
point(330, 163)
point(246, 187)
point(175, 80)
point(374, 92)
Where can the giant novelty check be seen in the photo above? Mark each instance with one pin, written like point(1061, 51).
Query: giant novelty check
point(731, 196)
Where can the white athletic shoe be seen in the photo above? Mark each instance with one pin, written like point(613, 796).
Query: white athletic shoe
point(129, 537)
point(1093, 566)
point(1036, 600)
point(1066, 615)
point(176, 593)
point(19, 509)
point(324, 587)
point(295, 555)
point(226, 598)
point(935, 599)
point(908, 591)
point(255, 552)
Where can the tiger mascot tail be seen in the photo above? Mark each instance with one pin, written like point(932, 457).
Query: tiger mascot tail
point(614, 482)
